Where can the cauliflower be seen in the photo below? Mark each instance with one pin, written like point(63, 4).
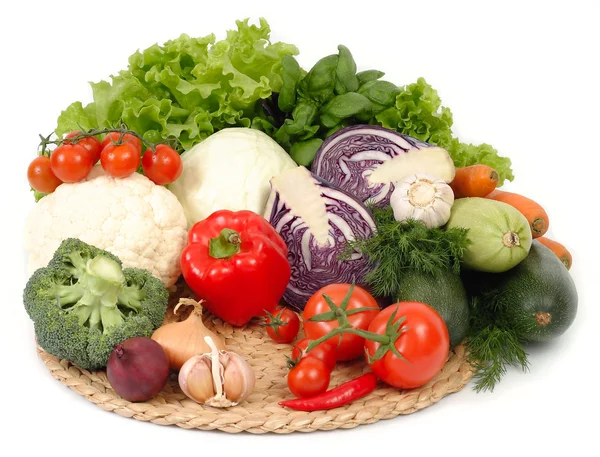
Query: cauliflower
point(141, 223)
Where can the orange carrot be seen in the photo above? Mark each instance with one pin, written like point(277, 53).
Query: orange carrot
point(561, 252)
point(474, 181)
point(535, 214)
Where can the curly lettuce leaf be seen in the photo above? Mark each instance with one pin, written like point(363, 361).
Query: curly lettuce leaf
point(187, 87)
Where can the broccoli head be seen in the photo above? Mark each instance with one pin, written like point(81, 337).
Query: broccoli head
point(84, 302)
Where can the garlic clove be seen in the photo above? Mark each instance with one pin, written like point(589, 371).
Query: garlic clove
point(196, 380)
point(238, 378)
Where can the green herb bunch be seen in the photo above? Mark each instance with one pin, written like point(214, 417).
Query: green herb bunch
point(397, 247)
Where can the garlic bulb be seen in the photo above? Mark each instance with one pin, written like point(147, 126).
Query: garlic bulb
point(424, 198)
point(219, 378)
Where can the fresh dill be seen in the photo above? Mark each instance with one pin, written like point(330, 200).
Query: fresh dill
point(399, 246)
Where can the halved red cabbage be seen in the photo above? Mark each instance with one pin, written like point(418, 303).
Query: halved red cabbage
point(365, 160)
point(316, 219)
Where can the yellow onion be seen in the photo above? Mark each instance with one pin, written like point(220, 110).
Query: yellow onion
point(184, 340)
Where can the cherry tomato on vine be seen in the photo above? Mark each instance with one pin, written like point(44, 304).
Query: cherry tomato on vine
point(347, 346)
point(71, 162)
point(91, 143)
point(120, 160)
point(324, 352)
point(424, 345)
point(308, 378)
point(283, 325)
point(41, 177)
point(162, 166)
point(113, 137)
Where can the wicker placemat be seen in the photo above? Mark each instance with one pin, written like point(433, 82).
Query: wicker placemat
point(260, 413)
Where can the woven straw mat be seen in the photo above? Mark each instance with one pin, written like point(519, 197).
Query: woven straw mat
point(260, 413)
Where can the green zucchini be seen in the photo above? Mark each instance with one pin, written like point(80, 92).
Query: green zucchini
point(537, 298)
point(444, 293)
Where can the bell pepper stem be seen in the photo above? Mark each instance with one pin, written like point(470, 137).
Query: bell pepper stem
point(226, 245)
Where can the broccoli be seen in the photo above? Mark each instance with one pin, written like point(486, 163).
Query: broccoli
point(83, 303)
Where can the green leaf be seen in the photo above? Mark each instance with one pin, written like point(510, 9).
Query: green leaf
point(303, 152)
point(76, 117)
point(290, 76)
point(342, 107)
point(346, 80)
point(369, 75)
point(380, 92)
point(319, 83)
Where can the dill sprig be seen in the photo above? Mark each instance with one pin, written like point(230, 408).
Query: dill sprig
point(399, 246)
point(493, 345)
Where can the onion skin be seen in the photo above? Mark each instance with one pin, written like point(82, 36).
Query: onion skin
point(184, 340)
point(138, 369)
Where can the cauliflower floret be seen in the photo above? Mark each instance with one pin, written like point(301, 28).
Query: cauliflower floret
point(141, 223)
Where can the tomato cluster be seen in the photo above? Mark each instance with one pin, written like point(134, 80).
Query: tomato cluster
point(119, 153)
point(405, 345)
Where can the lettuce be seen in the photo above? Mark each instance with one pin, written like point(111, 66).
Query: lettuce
point(188, 87)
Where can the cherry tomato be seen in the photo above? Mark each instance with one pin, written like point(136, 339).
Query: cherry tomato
point(324, 352)
point(41, 177)
point(113, 137)
point(347, 346)
point(162, 166)
point(424, 344)
point(91, 143)
point(284, 325)
point(309, 378)
point(71, 162)
point(120, 160)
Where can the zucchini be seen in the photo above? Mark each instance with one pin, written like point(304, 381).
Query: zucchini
point(444, 293)
point(537, 298)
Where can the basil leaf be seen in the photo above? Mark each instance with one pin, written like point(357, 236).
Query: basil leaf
point(290, 77)
point(346, 80)
point(303, 152)
point(369, 75)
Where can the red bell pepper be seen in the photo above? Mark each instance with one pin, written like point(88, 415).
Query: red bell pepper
point(237, 262)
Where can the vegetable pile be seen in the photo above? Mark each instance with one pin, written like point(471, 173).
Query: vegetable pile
point(334, 207)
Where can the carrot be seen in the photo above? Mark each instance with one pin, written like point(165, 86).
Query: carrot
point(535, 214)
point(561, 252)
point(474, 181)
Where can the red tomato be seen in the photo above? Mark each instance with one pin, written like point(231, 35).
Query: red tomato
point(113, 137)
point(348, 346)
point(309, 378)
point(71, 162)
point(162, 166)
point(424, 344)
point(285, 325)
point(41, 177)
point(91, 143)
point(121, 160)
point(324, 352)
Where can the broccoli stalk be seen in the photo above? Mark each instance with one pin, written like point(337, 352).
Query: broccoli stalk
point(100, 298)
point(84, 303)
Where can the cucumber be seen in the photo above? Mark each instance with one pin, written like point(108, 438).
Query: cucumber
point(444, 293)
point(538, 297)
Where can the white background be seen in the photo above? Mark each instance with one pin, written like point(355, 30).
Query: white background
point(522, 76)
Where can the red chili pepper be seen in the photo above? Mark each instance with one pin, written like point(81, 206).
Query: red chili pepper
point(237, 262)
point(339, 396)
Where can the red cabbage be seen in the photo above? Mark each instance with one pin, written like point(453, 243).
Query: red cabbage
point(358, 159)
point(316, 219)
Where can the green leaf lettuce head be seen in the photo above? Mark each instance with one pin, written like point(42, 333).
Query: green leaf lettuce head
point(188, 87)
point(84, 302)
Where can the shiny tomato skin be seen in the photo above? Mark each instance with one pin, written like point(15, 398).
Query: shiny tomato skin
point(424, 344)
point(41, 177)
point(348, 346)
point(162, 166)
point(324, 352)
point(287, 331)
point(71, 163)
point(113, 137)
point(120, 161)
point(309, 378)
point(91, 143)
